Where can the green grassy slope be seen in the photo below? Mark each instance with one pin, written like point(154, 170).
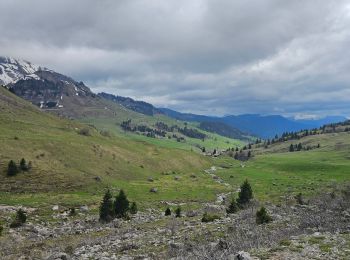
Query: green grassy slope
point(112, 124)
point(66, 163)
point(275, 172)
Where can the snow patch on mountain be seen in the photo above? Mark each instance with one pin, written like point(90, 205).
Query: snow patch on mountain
point(12, 70)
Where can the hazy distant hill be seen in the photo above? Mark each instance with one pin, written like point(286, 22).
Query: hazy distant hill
point(262, 126)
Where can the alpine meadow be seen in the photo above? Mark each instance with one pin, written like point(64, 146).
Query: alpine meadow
point(174, 130)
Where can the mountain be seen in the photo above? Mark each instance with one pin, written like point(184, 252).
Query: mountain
point(129, 103)
point(322, 121)
point(255, 124)
point(222, 129)
point(12, 70)
point(123, 116)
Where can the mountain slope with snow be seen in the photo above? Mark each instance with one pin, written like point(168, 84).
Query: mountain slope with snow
point(12, 70)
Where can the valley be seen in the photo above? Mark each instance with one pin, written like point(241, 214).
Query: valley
point(86, 144)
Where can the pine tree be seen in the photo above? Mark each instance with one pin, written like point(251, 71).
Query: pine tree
point(20, 219)
point(167, 212)
point(245, 194)
point(133, 208)
point(23, 165)
point(299, 147)
point(12, 168)
point(291, 148)
point(232, 208)
point(121, 205)
point(106, 207)
point(262, 216)
point(178, 212)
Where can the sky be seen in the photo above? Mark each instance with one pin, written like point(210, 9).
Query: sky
point(201, 56)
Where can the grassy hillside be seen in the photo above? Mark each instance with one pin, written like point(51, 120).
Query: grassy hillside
point(74, 169)
point(71, 167)
point(276, 173)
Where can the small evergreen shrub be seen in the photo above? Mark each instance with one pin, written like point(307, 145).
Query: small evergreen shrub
point(262, 217)
point(233, 207)
point(106, 207)
point(1, 229)
point(299, 198)
point(167, 212)
point(121, 205)
point(133, 208)
point(245, 194)
point(12, 168)
point(72, 212)
point(19, 220)
point(178, 212)
point(23, 165)
point(209, 217)
point(84, 131)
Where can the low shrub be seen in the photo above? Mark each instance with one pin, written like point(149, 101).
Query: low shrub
point(209, 217)
point(262, 217)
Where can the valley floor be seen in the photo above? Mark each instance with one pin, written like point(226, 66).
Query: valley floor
point(318, 229)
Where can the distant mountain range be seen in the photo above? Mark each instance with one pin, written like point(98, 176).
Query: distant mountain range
point(258, 125)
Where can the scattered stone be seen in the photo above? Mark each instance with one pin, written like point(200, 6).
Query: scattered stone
point(84, 208)
point(55, 208)
point(58, 256)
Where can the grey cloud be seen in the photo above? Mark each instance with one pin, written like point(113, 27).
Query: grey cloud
point(215, 57)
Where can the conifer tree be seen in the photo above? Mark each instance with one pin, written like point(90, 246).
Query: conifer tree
point(133, 208)
point(23, 165)
point(12, 168)
point(262, 216)
point(106, 207)
point(245, 194)
point(291, 148)
point(121, 205)
point(167, 212)
point(178, 212)
point(232, 208)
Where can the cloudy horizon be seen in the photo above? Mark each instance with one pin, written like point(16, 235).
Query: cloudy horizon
point(206, 57)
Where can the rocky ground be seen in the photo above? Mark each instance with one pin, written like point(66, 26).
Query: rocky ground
point(317, 229)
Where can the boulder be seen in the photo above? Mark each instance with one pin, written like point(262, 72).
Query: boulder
point(241, 256)
point(84, 208)
point(55, 208)
point(58, 256)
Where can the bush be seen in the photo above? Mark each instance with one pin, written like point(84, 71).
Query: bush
point(121, 205)
point(178, 212)
point(23, 165)
point(245, 194)
point(84, 131)
point(72, 212)
point(299, 198)
point(19, 220)
point(133, 208)
point(167, 212)
point(106, 207)
point(1, 229)
point(233, 207)
point(12, 168)
point(209, 217)
point(262, 216)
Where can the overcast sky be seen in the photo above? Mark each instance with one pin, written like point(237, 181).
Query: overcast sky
point(203, 56)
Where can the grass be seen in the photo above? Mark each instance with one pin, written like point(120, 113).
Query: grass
point(274, 175)
point(66, 163)
point(213, 141)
